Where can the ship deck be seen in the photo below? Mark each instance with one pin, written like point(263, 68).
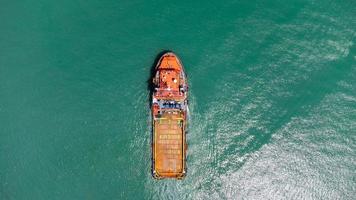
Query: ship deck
point(169, 145)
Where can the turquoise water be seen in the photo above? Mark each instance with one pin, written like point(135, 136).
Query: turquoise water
point(272, 98)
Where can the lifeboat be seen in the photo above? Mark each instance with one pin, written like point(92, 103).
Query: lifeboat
point(169, 118)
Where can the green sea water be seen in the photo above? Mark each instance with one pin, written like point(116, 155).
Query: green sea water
point(272, 98)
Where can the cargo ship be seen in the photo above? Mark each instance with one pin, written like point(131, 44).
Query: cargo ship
point(169, 118)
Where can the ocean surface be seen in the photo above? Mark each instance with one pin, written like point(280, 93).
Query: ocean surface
point(272, 98)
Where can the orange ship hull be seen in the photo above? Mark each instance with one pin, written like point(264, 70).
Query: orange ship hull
point(169, 118)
